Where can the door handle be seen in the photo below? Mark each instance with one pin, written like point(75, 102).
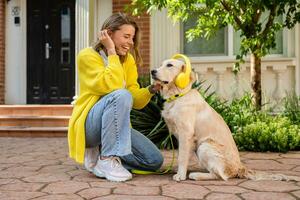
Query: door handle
point(47, 50)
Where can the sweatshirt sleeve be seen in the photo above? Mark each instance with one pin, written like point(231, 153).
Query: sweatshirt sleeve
point(97, 78)
point(141, 96)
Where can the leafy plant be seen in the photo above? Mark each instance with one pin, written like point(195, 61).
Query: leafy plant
point(292, 107)
point(272, 134)
point(150, 123)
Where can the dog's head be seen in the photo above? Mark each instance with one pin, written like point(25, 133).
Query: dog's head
point(168, 71)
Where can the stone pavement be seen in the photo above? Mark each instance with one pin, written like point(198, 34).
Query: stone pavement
point(39, 168)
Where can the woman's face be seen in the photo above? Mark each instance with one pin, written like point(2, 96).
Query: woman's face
point(123, 39)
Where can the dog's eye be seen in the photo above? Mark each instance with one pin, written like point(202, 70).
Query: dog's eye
point(169, 65)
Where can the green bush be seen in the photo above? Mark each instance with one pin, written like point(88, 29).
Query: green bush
point(292, 107)
point(272, 134)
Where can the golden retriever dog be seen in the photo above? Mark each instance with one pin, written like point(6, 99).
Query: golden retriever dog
point(200, 129)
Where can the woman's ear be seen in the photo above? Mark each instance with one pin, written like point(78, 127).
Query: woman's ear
point(109, 32)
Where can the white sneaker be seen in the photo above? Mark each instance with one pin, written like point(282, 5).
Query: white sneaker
point(112, 169)
point(90, 158)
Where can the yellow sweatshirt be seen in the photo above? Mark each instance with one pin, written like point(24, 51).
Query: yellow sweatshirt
point(97, 80)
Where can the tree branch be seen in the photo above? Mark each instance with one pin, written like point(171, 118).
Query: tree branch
point(256, 16)
point(236, 19)
point(270, 20)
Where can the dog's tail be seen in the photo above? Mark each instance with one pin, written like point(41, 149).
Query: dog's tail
point(257, 175)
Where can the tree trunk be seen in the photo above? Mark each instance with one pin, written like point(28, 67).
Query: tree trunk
point(255, 64)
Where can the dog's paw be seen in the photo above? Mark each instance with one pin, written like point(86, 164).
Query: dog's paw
point(178, 177)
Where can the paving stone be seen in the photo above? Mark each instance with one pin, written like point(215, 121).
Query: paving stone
point(57, 169)
point(182, 190)
point(289, 161)
point(296, 193)
point(60, 197)
point(267, 196)
point(39, 162)
point(67, 161)
point(17, 159)
point(129, 197)
point(94, 192)
point(137, 190)
point(13, 195)
point(6, 165)
point(288, 173)
point(47, 178)
point(216, 182)
point(291, 154)
point(270, 186)
point(151, 180)
point(76, 172)
point(4, 181)
point(261, 156)
point(86, 177)
point(66, 187)
point(18, 172)
point(26, 187)
point(266, 165)
point(221, 196)
point(297, 169)
point(102, 183)
point(227, 189)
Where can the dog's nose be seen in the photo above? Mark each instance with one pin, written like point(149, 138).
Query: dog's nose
point(153, 72)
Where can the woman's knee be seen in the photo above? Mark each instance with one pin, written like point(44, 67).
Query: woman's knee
point(123, 96)
point(155, 162)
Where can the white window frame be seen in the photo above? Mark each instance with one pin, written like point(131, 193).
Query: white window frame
point(287, 51)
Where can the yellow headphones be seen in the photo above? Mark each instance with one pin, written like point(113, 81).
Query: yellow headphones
point(183, 79)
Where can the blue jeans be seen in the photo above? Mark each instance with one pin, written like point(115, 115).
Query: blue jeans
point(108, 126)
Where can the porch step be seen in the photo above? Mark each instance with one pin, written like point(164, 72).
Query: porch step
point(36, 110)
point(26, 131)
point(34, 120)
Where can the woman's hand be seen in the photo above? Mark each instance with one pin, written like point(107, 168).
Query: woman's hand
point(154, 88)
point(107, 42)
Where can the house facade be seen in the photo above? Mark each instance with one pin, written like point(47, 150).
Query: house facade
point(39, 41)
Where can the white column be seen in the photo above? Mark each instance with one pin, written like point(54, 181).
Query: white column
point(164, 38)
point(82, 32)
point(220, 82)
point(103, 9)
point(278, 93)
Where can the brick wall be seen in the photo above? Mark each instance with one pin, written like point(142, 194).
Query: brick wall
point(2, 49)
point(144, 24)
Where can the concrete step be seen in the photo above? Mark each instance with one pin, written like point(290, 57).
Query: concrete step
point(34, 121)
point(27, 131)
point(36, 110)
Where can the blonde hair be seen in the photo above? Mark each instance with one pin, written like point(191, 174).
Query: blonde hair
point(113, 23)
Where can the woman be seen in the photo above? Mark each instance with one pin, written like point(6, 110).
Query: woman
point(99, 132)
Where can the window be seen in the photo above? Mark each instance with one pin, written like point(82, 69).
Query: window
point(215, 46)
point(226, 42)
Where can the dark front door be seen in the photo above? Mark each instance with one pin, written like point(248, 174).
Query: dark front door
point(50, 51)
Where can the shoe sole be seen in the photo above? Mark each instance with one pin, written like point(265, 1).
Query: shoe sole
point(111, 178)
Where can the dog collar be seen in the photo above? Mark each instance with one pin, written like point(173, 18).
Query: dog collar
point(172, 98)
